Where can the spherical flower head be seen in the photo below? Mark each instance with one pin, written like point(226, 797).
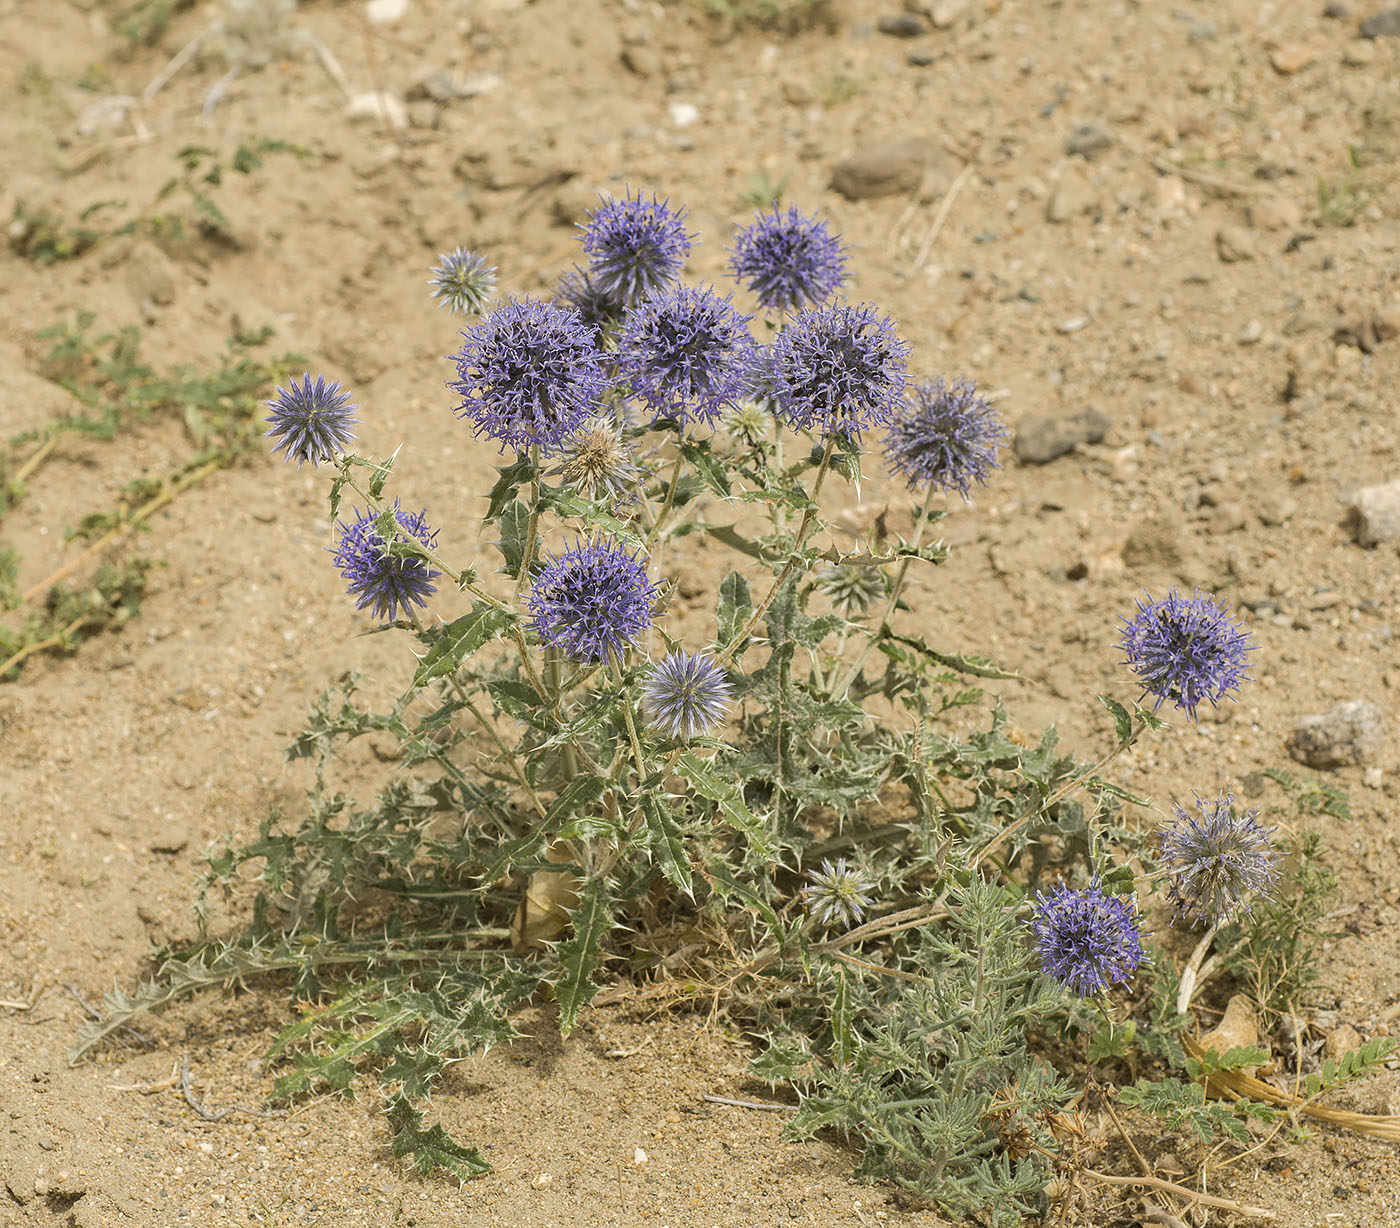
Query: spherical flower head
point(838, 370)
point(1087, 940)
point(686, 354)
point(1217, 860)
point(530, 373)
point(851, 588)
point(944, 436)
point(593, 602)
point(686, 695)
point(789, 261)
point(596, 308)
point(635, 247)
point(597, 463)
point(1185, 649)
point(311, 422)
point(837, 894)
point(378, 580)
point(462, 281)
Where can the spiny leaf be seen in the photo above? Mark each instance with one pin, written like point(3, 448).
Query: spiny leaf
point(430, 1149)
point(454, 643)
point(578, 953)
point(666, 842)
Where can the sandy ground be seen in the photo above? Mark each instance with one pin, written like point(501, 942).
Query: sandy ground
point(1198, 307)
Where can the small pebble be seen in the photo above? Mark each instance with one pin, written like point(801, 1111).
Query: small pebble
point(903, 26)
point(1382, 25)
point(1251, 333)
point(1346, 734)
point(1088, 140)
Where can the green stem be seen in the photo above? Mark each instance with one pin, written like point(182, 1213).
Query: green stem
point(532, 529)
point(672, 483)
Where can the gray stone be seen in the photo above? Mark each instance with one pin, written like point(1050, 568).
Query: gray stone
point(642, 61)
point(1374, 514)
point(1382, 25)
point(1345, 735)
point(903, 26)
point(1088, 141)
point(1040, 440)
point(885, 170)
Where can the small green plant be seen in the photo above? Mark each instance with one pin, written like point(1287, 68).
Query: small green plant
point(763, 191)
point(147, 20)
point(1340, 203)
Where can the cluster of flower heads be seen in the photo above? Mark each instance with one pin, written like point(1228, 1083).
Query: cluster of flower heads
point(1185, 649)
point(380, 581)
point(1217, 860)
point(1088, 940)
point(789, 261)
point(686, 695)
point(592, 602)
point(944, 436)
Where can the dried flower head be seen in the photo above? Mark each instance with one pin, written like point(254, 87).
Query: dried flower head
point(635, 247)
point(311, 422)
point(378, 579)
point(687, 694)
point(596, 308)
point(592, 602)
point(1217, 860)
point(686, 354)
point(749, 422)
point(837, 894)
point(838, 370)
point(462, 281)
point(597, 463)
point(789, 261)
point(1087, 940)
point(1185, 649)
point(944, 436)
point(851, 588)
point(529, 373)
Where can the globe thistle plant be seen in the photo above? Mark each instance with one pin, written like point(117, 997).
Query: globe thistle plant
point(379, 580)
point(592, 602)
point(311, 422)
point(838, 370)
point(530, 373)
point(635, 247)
point(686, 354)
point(1087, 940)
point(1185, 649)
point(1217, 860)
point(788, 260)
point(686, 695)
point(837, 894)
point(462, 281)
point(945, 437)
point(597, 463)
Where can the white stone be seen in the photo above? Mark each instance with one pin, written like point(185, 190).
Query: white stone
point(386, 12)
point(683, 114)
point(1375, 513)
point(384, 107)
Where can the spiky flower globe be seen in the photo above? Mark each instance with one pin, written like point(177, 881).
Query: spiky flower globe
point(380, 581)
point(592, 602)
point(1217, 860)
point(851, 588)
point(595, 307)
point(1087, 940)
point(944, 436)
point(462, 281)
point(838, 370)
point(837, 894)
point(686, 354)
point(597, 463)
point(635, 246)
point(686, 695)
point(311, 422)
point(1185, 649)
point(788, 260)
point(530, 373)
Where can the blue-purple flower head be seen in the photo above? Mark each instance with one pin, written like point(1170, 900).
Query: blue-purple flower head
point(789, 261)
point(837, 370)
point(635, 246)
point(686, 354)
point(596, 308)
point(311, 422)
point(462, 281)
point(1087, 940)
point(379, 580)
point(1185, 649)
point(837, 894)
point(592, 602)
point(944, 436)
point(530, 373)
point(1217, 860)
point(686, 695)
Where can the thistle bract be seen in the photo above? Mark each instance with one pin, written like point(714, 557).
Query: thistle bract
point(1217, 860)
point(593, 602)
point(788, 260)
point(530, 373)
point(1087, 940)
point(838, 370)
point(686, 695)
point(380, 581)
point(635, 247)
point(462, 281)
point(944, 436)
point(311, 422)
point(1185, 649)
point(597, 463)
